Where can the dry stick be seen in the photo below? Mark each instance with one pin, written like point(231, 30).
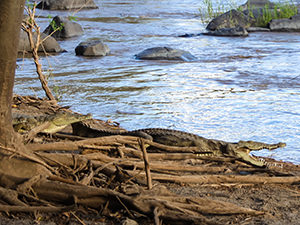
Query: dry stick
point(29, 27)
point(174, 166)
point(127, 210)
point(146, 162)
point(87, 179)
point(218, 179)
point(116, 140)
point(76, 217)
point(8, 208)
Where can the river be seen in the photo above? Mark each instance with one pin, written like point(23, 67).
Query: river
point(242, 88)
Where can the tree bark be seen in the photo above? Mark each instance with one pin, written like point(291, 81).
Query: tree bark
point(16, 169)
point(11, 13)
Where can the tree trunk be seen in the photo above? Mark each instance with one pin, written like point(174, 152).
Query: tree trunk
point(11, 13)
point(16, 163)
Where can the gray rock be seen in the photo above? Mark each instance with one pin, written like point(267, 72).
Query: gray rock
point(230, 19)
point(229, 32)
point(67, 4)
point(69, 28)
point(49, 44)
point(254, 4)
point(92, 48)
point(287, 25)
point(165, 53)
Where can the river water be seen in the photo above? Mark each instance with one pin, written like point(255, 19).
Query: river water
point(239, 89)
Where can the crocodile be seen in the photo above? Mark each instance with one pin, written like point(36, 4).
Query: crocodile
point(23, 123)
point(206, 147)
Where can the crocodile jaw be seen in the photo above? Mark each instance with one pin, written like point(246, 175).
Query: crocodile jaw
point(246, 157)
point(63, 120)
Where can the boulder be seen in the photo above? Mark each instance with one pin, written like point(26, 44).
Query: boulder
point(67, 28)
point(229, 32)
point(254, 4)
point(230, 19)
point(165, 53)
point(49, 44)
point(92, 48)
point(287, 25)
point(67, 4)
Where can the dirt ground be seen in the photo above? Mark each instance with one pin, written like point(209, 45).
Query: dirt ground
point(278, 202)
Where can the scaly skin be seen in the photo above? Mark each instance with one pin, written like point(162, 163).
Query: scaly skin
point(23, 122)
point(207, 147)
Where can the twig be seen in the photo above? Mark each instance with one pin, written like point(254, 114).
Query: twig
point(76, 217)
point(146, 162)
point(127, 210)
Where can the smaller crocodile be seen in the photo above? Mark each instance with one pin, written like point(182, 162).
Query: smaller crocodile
point(206, 147)
point(23, 123)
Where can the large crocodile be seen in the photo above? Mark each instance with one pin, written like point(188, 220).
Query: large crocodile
point(23, 123)
point(239, 150)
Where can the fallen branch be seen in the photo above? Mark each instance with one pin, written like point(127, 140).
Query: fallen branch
point(219, 179)
point(115, 140)
point(11, 208)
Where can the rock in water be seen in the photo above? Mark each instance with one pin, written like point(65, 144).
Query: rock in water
point(230, 19)
point(229, 32)
point(67, 29)
point(92, 48)
point(66, 4)
point(165, 53)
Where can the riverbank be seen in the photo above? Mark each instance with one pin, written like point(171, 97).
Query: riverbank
point(207, 190)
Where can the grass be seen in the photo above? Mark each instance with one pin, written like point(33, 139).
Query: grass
point(211, 9)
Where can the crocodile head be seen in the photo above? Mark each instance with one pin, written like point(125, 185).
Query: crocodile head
point(242, 149)
point(60, 120)
point(23, 123)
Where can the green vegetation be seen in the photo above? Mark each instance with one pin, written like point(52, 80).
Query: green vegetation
point(211, 9)
point(280, 11)
point(54, 25)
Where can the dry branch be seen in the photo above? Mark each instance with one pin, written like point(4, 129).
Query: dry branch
point(12, 208)
point(219, 179)
point(146, 162)
point(115, 140)
point(29, 26)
